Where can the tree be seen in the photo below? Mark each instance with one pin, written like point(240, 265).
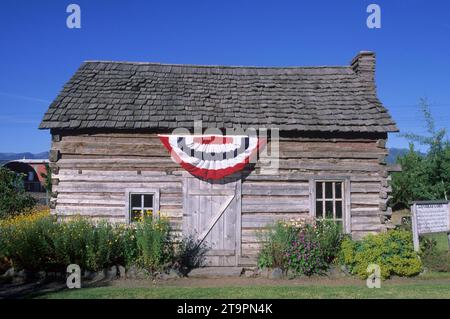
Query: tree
point(13, 198)
point(423, 177)
point(47, 176)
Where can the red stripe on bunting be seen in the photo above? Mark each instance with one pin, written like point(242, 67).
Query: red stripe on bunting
point(213, 174)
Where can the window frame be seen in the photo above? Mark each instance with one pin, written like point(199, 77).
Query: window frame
point(345, 199)
point(141, 191)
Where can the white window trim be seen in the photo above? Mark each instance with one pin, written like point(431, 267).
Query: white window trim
point(145, 191)
point(346, 215)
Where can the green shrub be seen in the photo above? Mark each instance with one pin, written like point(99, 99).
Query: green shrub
point(125, 246)
point(277, 240)
point(393, 251)
point(329, 235)
point(283, 246)
point(38, 242)
point(190, 254)
point(27, 245)
point(433, 257)
point(13, 198)
point(304, 254)
point(153, 243)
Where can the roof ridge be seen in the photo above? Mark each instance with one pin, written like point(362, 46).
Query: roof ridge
point(220, 66)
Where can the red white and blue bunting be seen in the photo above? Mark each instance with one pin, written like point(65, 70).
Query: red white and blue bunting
point(213, 156)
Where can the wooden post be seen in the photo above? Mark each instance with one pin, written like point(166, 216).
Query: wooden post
point(414, 227)
point(448, 234)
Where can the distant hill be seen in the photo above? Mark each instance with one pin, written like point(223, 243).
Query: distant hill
point(396, 152)
point(5, 157)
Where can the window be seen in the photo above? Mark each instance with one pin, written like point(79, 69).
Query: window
point(329, 203)
point(141, 205)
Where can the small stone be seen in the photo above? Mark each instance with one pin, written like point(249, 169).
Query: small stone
point(122, 272)
point(264, 272)
point(291, 274)
point(111, 273)
point(141, 274)
point(9, 273)
point(99, 276)
point(276, 273)
point(173, 274)
point(132, 272)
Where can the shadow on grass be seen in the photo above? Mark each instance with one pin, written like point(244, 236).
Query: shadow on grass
point(36, 289)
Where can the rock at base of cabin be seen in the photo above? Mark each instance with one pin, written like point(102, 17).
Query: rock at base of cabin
point(249, 273)
point(132, 272)
point(99, 275)
point(264, 272)
point(135, 272)
point(171, 274)
point(335, 272)
point(291, 274)
point(111, 273)
point(122, 272)
point(11, 272)
point(276, 273)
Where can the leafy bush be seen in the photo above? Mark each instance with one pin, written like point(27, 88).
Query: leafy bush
point(38, 242)
point(305, 255)
point(432, 257)
point(277, 240)
point(153, 243)
point(24, 240)
point(305, 247)
point(392, 251)
point(329, 235)
point(190, 254)
point(13, 198)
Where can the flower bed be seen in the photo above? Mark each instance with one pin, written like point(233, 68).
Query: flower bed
point(37, 242)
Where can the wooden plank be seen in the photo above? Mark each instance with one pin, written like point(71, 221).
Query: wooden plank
point(263, 220)
point(275, 204)
point(275, 188)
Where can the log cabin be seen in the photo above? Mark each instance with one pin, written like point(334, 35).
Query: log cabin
point(109, 161)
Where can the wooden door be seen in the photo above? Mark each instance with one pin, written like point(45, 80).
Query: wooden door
point(212, 213)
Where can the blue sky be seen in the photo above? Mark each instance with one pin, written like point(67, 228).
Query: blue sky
point(39, 53)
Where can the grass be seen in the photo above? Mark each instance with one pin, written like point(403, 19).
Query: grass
point(441, 241)
point(390, 291)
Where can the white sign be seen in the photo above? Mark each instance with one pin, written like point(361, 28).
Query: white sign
point(430, 217)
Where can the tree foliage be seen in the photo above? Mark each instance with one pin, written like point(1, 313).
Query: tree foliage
point(423, 177)
point(13, 198)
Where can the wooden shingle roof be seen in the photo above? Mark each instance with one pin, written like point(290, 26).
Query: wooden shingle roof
point(125, 95)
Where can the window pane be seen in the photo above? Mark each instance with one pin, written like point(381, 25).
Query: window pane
point(338, 190)
point(148, 201)
point(338, 209)
point(135, 200)
point(319, 209)
point(319, 190)
point(328, 190)
point(329, 209)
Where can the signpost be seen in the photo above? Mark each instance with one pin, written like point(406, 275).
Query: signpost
point(430, 217)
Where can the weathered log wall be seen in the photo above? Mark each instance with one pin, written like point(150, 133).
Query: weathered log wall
point(92, 171)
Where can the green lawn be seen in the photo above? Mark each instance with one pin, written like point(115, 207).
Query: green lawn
point(441, 241)
point(390, 291)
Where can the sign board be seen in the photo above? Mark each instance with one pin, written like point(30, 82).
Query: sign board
point(430, 217)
